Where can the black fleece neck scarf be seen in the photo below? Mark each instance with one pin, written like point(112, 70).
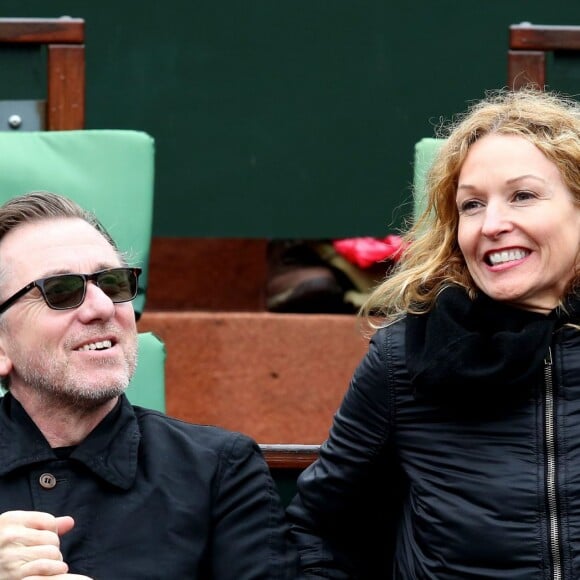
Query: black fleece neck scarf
point(467, 351)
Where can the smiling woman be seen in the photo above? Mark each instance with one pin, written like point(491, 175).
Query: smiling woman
point(519, 224)
point(463, 411)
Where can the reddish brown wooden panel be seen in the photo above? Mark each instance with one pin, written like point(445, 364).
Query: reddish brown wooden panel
point(66, 87)
point(207, 274)
point(526, 68)
point(277, 377)
point(42, 30)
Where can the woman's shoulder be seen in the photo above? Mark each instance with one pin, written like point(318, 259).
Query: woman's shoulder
point(385, 356)
point(391, 331)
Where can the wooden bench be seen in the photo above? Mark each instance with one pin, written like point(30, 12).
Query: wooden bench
point(529, 45)
point(64, 39)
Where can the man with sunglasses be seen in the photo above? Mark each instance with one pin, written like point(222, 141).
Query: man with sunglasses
point(90, 486)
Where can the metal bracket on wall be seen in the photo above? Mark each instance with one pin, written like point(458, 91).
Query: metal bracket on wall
point(22, 115)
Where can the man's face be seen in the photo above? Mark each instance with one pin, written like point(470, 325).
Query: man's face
point(83, 356)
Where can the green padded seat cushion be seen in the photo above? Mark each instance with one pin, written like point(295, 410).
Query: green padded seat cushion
point(425, 151)
point(110, 172)
point(147, 388)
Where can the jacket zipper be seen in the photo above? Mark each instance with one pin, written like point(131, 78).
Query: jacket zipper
point(554, 535)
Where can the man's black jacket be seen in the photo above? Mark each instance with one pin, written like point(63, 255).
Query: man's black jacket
point(152, 497)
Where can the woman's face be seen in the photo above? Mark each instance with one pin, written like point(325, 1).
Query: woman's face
point(519, 229)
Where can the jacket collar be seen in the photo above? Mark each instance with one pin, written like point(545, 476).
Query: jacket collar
point(109, 451)
point(476, 352)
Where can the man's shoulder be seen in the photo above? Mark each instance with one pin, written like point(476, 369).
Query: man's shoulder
point(159, 426)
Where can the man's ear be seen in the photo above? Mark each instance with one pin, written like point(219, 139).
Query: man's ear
point(5, 360)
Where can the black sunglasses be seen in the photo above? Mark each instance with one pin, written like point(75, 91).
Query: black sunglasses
point(67, 291)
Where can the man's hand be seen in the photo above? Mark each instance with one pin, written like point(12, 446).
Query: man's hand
point(30, 546)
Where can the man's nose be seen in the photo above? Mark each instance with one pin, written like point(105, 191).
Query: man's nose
point(97, 303)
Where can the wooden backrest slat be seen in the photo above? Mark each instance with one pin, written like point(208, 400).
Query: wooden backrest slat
point(42, 30)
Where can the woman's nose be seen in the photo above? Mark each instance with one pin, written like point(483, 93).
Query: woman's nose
point(496, 220)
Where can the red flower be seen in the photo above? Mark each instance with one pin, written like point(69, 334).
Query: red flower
point(367, 251)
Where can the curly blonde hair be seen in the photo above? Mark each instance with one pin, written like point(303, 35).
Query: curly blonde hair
point(433, 259)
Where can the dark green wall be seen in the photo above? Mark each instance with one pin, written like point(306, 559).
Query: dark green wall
point(288, 118)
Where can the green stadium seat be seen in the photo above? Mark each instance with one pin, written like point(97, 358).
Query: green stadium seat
point(425, 151)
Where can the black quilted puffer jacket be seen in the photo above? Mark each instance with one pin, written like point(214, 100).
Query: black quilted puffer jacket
point(455, 453)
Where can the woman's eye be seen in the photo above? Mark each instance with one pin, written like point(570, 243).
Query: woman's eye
point(469, 206)
point(524, 195)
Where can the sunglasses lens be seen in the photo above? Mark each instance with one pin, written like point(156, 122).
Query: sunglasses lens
point(119, 284)
point(66, 291)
